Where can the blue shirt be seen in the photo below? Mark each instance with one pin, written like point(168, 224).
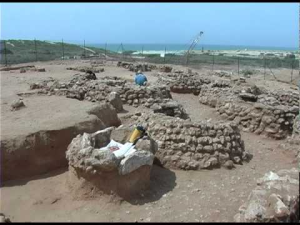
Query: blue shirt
point(140, 79)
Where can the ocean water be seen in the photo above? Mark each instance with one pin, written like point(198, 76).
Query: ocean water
point(180, 48)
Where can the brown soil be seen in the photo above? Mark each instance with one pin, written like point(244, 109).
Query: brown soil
point(173, 195)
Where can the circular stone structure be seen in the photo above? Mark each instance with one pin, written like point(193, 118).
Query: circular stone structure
point(96, 171)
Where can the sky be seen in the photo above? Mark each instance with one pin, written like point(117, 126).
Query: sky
point(254, 24)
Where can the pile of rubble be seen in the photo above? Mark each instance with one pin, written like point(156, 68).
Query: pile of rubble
point(275, 199)
point(103, 171)
point(85, 69)
point(241, 105)
point(193, 146)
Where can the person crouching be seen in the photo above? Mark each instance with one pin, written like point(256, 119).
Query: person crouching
point(140, 79)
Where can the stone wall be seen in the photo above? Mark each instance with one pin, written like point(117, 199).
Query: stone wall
point(275, 122)
point(240, 105)
point(92, 168)
point(135, 67)
point(94, 68)
point(194, 146)
point(287, 98)
point(183, 82)
point(82, 87)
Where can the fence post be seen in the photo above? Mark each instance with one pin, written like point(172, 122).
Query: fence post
point(165, 55)
point(213, 62)
point(63, 52)
point(35, 50)
point(264, 68)
point(105, 50)
point(187, 59)
point(238, 65)
point(84, 48)
point(5, 53)
point(122, 51)
point(292, 70)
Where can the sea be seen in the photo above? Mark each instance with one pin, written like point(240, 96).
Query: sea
point(180, 48)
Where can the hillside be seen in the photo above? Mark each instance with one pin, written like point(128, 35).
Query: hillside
point(21, 51)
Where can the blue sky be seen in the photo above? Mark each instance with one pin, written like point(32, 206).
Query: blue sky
point(255, 24)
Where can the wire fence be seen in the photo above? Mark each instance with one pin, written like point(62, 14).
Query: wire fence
point(23, 51)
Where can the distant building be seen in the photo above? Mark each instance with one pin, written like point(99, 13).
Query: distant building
point(77, 57)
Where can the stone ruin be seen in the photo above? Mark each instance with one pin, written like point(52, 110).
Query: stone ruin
point(252, 108)
point(165, 69)
point(94, 68)
point(275, 199)
point(85, 87)
point(221, 73)
point(180, 82)
point(193, 146)
point(292, 143)
point(144, 67)
point(94, 171)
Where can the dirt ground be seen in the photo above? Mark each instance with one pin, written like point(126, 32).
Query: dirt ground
point(173, 196)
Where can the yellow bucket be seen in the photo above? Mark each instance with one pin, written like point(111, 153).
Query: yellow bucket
point(135, 134)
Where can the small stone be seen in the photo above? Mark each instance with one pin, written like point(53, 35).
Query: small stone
point(228, 164)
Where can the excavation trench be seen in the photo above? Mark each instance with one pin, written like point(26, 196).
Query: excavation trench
point(24, 155)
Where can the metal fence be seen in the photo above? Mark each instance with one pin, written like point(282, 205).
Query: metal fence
point(34, 50)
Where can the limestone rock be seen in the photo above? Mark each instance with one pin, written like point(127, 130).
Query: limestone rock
point(248, 97)
point(103, 160)
point(4, 219)
point(22, 70)
point(275, 199)
point(228, 164)
point(134, 161)
point(17, 104)
point(41, 69)
point(116, 101)
point(147, 144)
point(90, 75)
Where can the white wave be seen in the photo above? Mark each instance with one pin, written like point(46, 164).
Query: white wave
point(158, 52)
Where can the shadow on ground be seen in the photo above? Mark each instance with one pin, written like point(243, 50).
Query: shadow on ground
point(24, 181)
point(162, 181)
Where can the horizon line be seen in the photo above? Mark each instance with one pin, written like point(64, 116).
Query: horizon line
point(115, 43)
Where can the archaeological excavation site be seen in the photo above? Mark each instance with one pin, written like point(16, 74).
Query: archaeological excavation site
point(82, 142)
